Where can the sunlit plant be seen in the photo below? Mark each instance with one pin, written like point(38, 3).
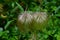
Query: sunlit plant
point(28, 22)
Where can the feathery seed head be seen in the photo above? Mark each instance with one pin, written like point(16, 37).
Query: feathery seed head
point(32, 22)
point(25, 18)
point(40, 16)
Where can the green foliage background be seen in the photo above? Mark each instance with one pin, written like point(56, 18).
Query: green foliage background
point(9, 10)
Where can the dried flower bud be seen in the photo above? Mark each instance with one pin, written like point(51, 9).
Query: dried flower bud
point(40, 20)
point(25, 18)
point(24, 21)
point(40, 16)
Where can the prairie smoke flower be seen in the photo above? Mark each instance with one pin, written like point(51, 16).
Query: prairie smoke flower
point(40, 20)
point(40, 16)
point(25, 18)
point(34, 22)
point(24, 21)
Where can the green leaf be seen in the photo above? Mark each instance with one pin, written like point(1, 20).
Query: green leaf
point(20, 7)
point(1, 34)
point(8, 23)
point(58, 15)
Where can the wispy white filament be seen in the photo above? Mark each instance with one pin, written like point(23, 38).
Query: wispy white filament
point(40, 16)
point(25, 18)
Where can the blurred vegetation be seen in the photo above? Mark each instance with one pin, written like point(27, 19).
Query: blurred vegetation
point(9, 10)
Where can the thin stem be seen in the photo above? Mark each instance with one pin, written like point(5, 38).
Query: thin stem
point(33, 36)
